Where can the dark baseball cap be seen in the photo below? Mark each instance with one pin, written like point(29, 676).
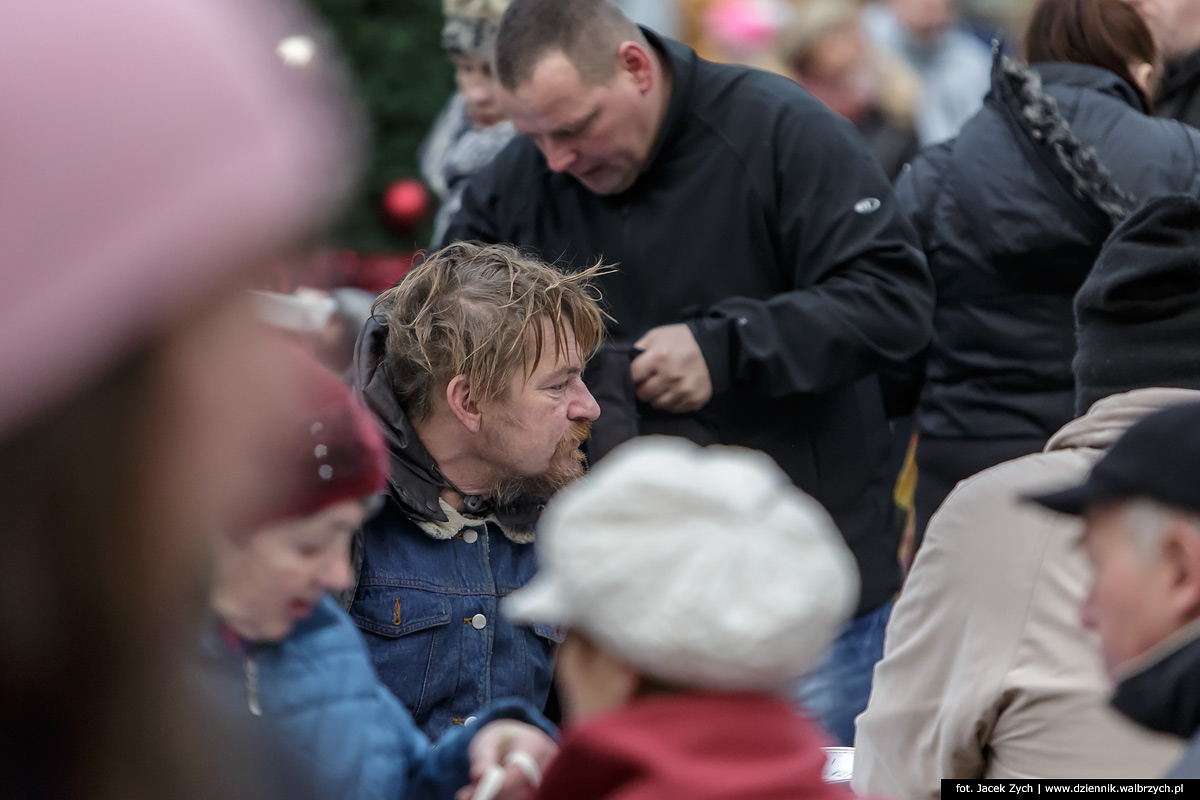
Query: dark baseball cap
point(1158, 458)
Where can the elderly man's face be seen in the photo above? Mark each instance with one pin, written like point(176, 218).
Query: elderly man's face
point(1174, 23)
point(599, 134)
point(1130, 603)
point(532, 437)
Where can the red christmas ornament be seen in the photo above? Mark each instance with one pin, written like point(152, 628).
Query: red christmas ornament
point(406, 202)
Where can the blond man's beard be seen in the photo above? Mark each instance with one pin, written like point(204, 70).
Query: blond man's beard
point(566, 467)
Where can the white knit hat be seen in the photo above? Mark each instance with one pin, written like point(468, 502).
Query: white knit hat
point(700, 566)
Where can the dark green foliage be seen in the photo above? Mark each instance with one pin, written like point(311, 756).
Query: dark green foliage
point(394, 50)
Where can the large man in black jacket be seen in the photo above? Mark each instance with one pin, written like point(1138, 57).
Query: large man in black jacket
point(764, 276)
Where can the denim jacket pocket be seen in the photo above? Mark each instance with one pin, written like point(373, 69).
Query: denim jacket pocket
point(552, 632)
point(406, 630)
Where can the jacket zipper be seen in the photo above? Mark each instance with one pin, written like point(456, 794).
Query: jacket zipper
point(251, 670)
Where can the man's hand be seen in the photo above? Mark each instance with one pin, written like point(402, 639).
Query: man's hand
point(671, 374)
point(492, 746)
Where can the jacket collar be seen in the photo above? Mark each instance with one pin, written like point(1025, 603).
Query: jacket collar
point(1086, 76)
point(415, 482)
point(1109, 418)
point(1162, 691)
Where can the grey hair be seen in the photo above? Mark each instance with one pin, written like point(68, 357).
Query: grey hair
point(1149, 520)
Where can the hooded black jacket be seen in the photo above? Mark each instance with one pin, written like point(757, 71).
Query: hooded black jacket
point(762, 221)
point(1011, 224)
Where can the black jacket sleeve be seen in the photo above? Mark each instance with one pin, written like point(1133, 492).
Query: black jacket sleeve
point(860, 292)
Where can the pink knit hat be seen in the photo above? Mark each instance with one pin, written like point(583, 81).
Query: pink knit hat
point(148, 150)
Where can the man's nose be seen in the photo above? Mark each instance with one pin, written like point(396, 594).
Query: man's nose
point(558, 157)
point(584, 405)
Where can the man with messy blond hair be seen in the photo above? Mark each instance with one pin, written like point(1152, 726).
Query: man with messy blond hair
point(473, 365)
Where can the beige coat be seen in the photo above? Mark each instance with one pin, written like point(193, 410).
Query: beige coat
point(987, 671)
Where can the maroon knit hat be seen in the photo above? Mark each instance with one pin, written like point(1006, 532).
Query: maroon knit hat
point(338, 451)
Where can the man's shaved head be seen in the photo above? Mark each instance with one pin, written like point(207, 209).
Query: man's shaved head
point(587, 32)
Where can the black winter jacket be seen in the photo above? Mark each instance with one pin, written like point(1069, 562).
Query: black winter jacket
point(1012, 214)
point(763, 222)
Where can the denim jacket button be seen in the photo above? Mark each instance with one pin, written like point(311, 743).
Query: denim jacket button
point(468, 720)
point(478, 622)
point(470, 536)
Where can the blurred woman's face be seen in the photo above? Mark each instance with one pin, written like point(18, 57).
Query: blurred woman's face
point(479, 88)
point(269, 580)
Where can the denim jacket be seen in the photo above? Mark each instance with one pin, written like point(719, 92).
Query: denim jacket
point(430, 580)
point(429, 608)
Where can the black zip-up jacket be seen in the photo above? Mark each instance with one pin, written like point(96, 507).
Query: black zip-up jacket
point(762, 221)
point(1012, 222)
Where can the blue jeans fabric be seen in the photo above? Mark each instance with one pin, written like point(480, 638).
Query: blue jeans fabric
point(838, 689)
point(429, 610)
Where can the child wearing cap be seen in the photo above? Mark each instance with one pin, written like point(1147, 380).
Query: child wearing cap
point(292, 656)
point(697, 586)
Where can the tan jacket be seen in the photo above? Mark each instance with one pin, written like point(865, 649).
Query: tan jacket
point(987, 671)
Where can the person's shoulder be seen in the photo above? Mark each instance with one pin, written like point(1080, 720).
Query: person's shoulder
point(741, 97)
point(1008, 482)
point(991, 506)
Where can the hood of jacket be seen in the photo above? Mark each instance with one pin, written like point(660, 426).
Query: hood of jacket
point(1108, 419)
point(415, 481)
point(1040, 195)
point(702, 746)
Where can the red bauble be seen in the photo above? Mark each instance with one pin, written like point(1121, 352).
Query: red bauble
point(406, 203)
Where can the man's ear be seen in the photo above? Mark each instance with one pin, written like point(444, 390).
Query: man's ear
point(1181, 551)
point(635, 60)
point(462, 405)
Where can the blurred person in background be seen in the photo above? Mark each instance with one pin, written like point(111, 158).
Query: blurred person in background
point(696, 585)
point(282, 649)
point(157, 158)
point(953, 66)
point(473, 366)
point(988, 671)
point(824, 50)
point(659, 15)
point(1176, 27)
point(1141, 533)
point(744, 31)
point(1012, 214)
point(471, 129)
